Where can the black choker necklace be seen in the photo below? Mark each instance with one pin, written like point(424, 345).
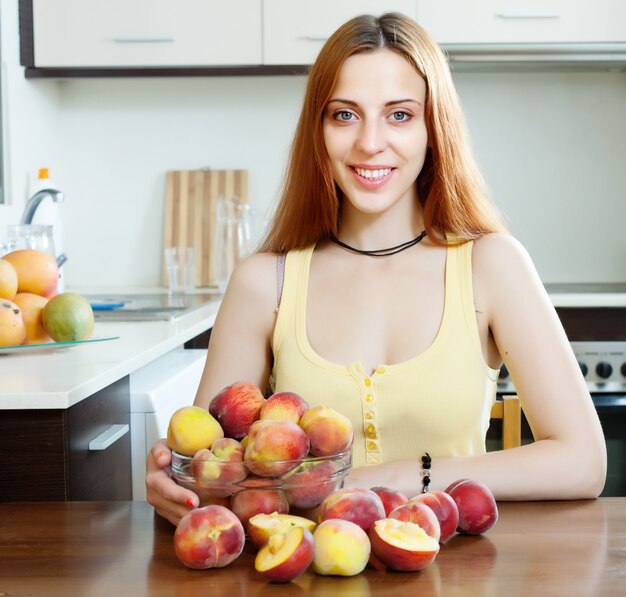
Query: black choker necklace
point(381, 252)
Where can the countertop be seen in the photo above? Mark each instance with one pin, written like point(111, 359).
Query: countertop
point(60, 378)
point(586, 295)
point(99, 549)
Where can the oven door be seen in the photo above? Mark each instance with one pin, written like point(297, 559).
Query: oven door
point(612, 412)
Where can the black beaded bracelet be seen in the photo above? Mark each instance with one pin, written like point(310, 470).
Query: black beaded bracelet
point(425, 472)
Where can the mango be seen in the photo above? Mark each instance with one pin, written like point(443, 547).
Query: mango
point(37, 272)
point(32, 309)
point(67, 317)
point(8, 280)
point(12, 328)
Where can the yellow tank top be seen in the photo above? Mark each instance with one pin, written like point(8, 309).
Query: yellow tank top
point(438, 402)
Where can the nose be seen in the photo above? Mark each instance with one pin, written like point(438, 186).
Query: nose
point(371, 137)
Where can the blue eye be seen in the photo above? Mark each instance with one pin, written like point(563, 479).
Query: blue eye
point(400, 116)
point(344, 115)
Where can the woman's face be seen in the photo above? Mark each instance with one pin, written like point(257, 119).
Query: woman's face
point(374, 130)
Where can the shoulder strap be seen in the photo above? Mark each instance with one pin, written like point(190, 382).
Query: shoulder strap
point(280, 277)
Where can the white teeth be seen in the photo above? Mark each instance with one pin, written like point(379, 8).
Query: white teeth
point(373, 174)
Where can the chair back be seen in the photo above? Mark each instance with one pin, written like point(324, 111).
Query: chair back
point(509, 410)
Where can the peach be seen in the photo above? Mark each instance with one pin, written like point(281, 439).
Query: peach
point(310, 483)
point(284, 406)
point(286, 556)
point(273, 446)
point(8, 280)
point(478, 510)
point(263, 526)
point(402, 545)
point(445, 510)
point(391, 498)
point(32, 307)
point(329, 431)
point(37, 272)
point(12, 327)
point(192, 428)
point(209, 537)
point(236, 407)
point(218, 468)
point(421, 515)
point(248, 502)
point(342, 548)
point(356, 504)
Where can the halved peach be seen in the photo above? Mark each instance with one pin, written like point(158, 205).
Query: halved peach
point(286, 556)
point(263, 526)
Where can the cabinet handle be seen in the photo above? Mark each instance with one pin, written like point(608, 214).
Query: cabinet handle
point(315, 37)
point(143, 39)
point(528, 15)
point(108, 437)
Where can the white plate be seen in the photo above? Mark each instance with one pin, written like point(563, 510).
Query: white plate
point(49, 346)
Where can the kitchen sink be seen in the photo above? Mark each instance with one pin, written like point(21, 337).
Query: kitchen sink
point(147, 307)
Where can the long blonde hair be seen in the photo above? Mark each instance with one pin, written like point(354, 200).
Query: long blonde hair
point(450, 187)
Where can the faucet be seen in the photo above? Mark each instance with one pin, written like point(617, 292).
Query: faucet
point(35, 200)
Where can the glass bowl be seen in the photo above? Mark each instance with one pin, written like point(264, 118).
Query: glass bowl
point(290, 484)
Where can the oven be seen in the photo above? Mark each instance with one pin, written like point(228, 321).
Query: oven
point(594, 319)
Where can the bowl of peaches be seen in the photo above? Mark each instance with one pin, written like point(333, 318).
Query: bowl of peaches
point(258, 455)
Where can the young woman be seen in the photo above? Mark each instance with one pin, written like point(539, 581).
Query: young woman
point(401, 294)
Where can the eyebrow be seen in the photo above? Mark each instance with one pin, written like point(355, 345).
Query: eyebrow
point(389, 103)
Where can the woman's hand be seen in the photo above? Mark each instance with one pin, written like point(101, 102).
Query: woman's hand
point(170, 500)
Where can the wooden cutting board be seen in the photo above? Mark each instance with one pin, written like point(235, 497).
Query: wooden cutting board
point(190, 212)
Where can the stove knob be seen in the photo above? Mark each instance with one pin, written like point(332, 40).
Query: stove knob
point(623, 369)
point(604, 369)
point(583, 368)
point(504, 372)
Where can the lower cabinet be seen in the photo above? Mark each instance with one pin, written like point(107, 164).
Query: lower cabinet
point(79, 453)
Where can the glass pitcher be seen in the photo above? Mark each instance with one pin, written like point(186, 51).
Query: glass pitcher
point(29, 236)
point(238, 231)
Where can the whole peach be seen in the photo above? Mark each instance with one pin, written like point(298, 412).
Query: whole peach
point(402, 545)
point(391, 498)
point(248, 502)
point(209, 537)
point(356, 504)
point(307, 485)
point(342, 548)
point(284, 406)
point(478, 510)
point(274, 447)
point(217, 469)
point(445, 510)
point(421, 515)
point(192, 428)
point(286, 556)
point(329, 431)
point(236, 407)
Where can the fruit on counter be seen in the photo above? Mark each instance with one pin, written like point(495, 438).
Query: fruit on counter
point(209, 537)
point(310, 483)
point(402, 545)
point(8, 280)
point(67, 317)
point(478, 510)
point(342, 548)
point(421, 515)
point(32, 312)
point(356, 504)
point(286, 556)
point(12, 327)
point(391, 498)
point(329, 431)
point(272, 446)
point(445, 509)
point(236, 407)
point(264, 500)
point(219, 466)
point(263, 526)
point(37, 272)
point(284, 406)
point(191, 429)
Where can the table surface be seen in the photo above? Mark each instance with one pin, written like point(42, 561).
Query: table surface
point(115, 549)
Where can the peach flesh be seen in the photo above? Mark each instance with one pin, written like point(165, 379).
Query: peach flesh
point(286, 556)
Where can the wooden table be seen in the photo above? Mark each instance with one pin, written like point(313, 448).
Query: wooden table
point(115, 549)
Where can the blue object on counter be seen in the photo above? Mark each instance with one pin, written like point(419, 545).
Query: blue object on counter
point(106, 306)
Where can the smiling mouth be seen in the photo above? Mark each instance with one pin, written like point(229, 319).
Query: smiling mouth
point(377, 174)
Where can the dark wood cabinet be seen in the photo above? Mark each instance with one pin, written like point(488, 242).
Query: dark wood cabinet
point(46, 454)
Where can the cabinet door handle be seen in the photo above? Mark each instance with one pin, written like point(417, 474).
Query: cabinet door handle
point(108, 437)
point(143, 39)
point(528, 15)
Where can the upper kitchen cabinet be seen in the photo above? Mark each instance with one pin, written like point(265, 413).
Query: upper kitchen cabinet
point(453, 22)
point(295, 30)
point(140, 33)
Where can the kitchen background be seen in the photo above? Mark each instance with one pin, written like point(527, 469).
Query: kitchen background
point(551, 145)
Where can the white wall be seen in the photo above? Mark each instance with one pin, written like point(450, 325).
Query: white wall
point(552, 148)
